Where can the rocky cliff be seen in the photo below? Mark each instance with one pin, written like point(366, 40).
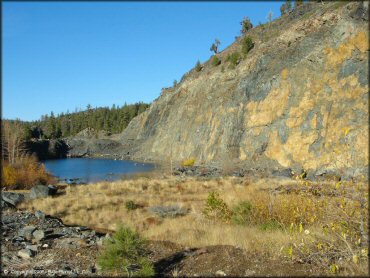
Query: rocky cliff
point(298, 100)
point(47, 149)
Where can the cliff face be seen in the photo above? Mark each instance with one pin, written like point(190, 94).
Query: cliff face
point(47, 149)
point(298, 100)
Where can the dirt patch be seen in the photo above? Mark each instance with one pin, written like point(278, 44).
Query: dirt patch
point(220, 260)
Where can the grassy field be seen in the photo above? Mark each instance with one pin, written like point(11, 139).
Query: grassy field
point(324, 224)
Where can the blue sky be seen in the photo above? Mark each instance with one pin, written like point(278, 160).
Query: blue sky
point(61, 56)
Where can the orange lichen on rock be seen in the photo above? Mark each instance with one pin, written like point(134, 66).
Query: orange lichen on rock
point(266, 111)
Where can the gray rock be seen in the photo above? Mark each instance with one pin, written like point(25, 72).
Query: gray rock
point(26, 232)
point(42, 191)
point(4, 204)
point(82, 228)
point(70, 243)
point(49, 231)
point(40, 215)
point(38, 235)
point(92, 269)
point(18, 239)
point(12, 198)
point(168, 211)
point(32, 248)
point(282, 173)
point(88, 233)
point(54, 235)
point(220, 273)
point(100, 241)
point(26, 254)
point(39, 191)
point(52, 189)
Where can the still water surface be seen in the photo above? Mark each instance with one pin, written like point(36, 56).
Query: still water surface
point(93, 170)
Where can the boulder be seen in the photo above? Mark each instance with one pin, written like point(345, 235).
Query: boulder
point(40, 215)
point(26, 253)
point(26, 232)
point(42, 191)
point(38, 235)
point(168, 211)
point(287, 172)
point(220, 273)
point(52, 189)
point(12, 198)
point(32, 248)
point(17, 239)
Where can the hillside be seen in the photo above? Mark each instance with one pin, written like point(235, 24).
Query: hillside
point(298, 100)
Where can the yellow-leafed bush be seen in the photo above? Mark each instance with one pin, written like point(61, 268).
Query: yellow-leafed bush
point(9, 176)
point(25, 173)
point(188, 162)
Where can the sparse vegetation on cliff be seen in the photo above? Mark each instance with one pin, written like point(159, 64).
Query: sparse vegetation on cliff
point(214, 46)
point(215, 61)
point(198, 66)
point(247, 45)
point(246, 25)
point(234, 59)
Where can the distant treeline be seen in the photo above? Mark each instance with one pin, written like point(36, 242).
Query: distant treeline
point(111, 120)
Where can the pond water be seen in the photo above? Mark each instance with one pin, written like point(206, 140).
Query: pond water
point(88, 170)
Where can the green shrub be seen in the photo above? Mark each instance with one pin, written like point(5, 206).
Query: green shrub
point(242, 213)
point(216, 208)
point(271, 225)
point(283, 9)
point(246, 25)
point(247, 45)
point(125, 250)
point(215, 61)
point(198, 66)
point(130, 205)
point(234, 59)
point(298, 3)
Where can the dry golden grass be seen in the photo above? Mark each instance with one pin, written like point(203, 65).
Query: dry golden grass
point(299, 207)
point(103, 204)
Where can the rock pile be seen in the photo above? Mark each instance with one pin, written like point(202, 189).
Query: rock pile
point(37, 244)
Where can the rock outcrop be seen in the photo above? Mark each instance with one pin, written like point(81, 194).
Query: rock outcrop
point(92, 147)
point(47, 149)
point(298, 100)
